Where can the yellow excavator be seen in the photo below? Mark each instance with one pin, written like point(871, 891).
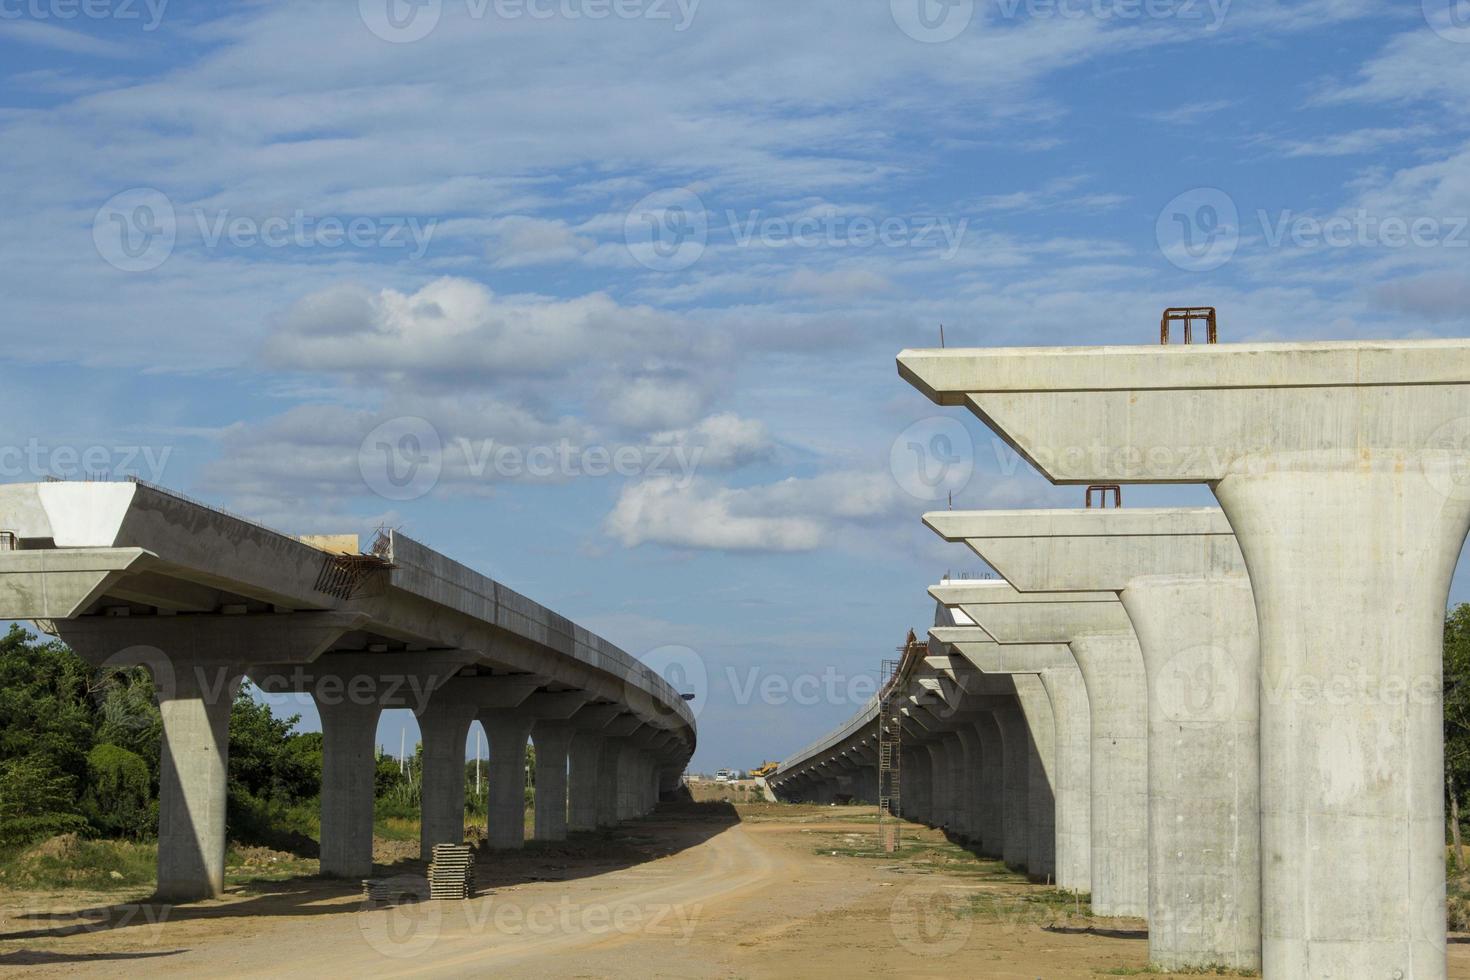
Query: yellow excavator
point(764, 769)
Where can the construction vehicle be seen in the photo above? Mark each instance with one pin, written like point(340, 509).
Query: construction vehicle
point(764, 769)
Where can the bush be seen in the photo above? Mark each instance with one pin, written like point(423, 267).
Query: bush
point(119, 800)
point(36, 801)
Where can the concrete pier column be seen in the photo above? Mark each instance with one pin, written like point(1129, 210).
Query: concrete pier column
point(1016, 778)
point(1341, 468)
point(1041, 797)
point(1350, 564)
point(942, 815)
point(1182, 582)
point(1070, 709)
point(1112, 669)
point(507, 731)
point(584, 759)
point(443, 725)
point(196, 663)
point(607, 782)
point(1097, 630)
point(992, 786)
point(1201, 652)
point(968, 779)
point(627, 763)
point(914, 770)
point(193, 770)
point(553, 740)
point(349, 774)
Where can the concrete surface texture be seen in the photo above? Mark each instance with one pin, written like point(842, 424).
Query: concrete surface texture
point(129, 574)
point(1342, 468)
point(1182, 581)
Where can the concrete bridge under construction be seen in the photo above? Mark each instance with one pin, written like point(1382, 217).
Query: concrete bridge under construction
point(1226, 721)
point(132, 575)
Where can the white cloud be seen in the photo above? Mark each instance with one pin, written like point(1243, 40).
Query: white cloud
point(796, 514)
point(724, 441)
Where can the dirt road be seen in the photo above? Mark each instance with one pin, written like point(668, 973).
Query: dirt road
point(691, 892)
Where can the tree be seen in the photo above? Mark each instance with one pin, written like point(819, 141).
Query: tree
point(36, 801)
point(1456, 715)
point(46, 722)
point(119, 799)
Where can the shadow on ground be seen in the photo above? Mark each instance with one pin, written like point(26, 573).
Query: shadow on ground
point(673, 827)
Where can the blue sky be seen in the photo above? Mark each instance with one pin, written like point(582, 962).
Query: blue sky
point(692, 232)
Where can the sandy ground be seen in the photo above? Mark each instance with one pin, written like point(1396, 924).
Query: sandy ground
point(689, 892)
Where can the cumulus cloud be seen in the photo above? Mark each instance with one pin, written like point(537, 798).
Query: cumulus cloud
point(796, 514)
point(723, 441)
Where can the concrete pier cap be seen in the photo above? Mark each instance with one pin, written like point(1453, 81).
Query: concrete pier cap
point(1182, 581)
point(1344, 470)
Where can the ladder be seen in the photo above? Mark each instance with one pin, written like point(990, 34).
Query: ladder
point(890, 753)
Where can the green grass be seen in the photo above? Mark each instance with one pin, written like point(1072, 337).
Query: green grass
point(73, 862)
